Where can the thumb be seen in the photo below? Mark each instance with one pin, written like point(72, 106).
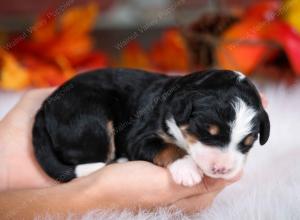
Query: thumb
point(209, 184)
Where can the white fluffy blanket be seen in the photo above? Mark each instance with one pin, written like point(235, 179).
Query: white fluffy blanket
point(270, 187)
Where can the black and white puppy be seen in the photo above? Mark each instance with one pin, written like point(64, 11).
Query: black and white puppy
point(202, 123)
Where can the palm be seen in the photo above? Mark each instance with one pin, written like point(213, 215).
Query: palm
point(16, 147)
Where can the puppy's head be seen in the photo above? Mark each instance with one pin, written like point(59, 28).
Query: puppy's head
point(218, 120)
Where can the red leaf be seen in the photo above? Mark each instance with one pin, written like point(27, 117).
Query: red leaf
point(263, 10)
point(287, 37)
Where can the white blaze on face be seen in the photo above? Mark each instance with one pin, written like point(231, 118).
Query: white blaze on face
point(175, 131)
point(227, 161)
point(242, 125)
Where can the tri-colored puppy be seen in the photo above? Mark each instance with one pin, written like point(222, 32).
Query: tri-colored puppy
point(202, 123)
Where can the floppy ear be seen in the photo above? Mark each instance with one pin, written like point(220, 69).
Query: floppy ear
point(182, 110)
point(264, 128)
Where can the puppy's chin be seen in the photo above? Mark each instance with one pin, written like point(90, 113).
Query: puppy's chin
point(228, 176)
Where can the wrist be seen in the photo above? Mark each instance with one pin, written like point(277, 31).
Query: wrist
point(87, 193)
point(4, 180)
point(60, 200)
point(98, 191)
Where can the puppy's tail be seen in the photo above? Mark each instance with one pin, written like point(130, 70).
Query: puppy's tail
point(45, 154)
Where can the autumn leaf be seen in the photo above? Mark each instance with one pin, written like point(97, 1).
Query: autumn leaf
point(134, 56)
point(287, 38)
point(170, 53)
point(93, 60)
point(293, 13)
point(241, 47)
point(13, 76)
point(48, 72)
point(67, 36)
point(73, 48)
point(44, 29)
point(60, 45)
point(79, 19)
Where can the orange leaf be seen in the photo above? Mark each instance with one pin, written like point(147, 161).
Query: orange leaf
point(92, 61)
point(79, 20)
point(134, 56)
point(74, 40)
point(48, 73)
point(70, 38)
point(58, 47)
point(170, 53)
point(241, 47)
point(44, 29)
point(73, 48)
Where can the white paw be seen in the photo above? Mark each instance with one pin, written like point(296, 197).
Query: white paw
point(185, 172)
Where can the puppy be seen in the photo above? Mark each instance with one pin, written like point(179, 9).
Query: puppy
point(202, 123)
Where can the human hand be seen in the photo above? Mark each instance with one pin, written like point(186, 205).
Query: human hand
point(142, 185)
point(132, 186)
point(264, 100)
point(18, 166)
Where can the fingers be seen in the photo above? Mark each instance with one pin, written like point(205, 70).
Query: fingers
point(33, 99)
point(203, 195)
point(194, 204)
point(22, 114)
point(208, 185)
point(212, 185)
point(263, 100)
point(30, 103)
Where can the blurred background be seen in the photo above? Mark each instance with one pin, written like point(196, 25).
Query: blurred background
point(44, 43)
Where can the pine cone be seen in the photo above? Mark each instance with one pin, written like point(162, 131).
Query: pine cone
point(202, 36)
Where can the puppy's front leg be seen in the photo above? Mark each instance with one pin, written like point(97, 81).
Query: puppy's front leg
point(181, 166)
point(185, 171)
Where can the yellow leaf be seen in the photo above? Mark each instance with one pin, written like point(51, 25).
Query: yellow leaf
point(12, 76)
point(293, 13)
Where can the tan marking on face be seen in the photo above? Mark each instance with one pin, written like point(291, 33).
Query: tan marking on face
point(249, 140)
point(190, 138)
point(213, 129)
point(168, 155)
point(112, 148)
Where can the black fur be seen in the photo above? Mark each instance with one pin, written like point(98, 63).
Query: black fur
point(71, 126)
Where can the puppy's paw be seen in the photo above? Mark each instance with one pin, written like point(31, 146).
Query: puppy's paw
point(185, 171)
